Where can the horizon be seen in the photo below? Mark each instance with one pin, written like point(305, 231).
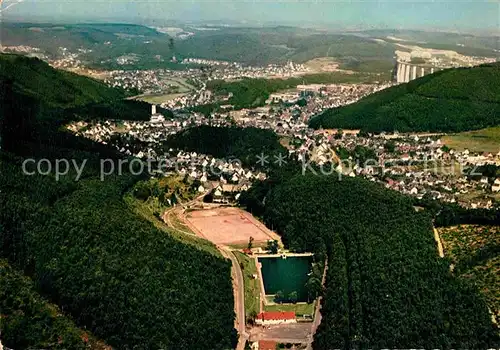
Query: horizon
point(463, 17)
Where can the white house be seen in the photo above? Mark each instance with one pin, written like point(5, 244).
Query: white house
point(496, 186)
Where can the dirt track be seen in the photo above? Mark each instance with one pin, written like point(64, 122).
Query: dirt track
point(228, 226)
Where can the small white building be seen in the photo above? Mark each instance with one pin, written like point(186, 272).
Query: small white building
point(496, 186)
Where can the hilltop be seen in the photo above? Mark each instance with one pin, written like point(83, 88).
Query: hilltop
point(452, 100)
point(55, 96)
point(79, 245)
point(51, 87)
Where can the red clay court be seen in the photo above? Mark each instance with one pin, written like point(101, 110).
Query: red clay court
point(227, 226)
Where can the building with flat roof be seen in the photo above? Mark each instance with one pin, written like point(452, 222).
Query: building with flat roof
point(275, 317)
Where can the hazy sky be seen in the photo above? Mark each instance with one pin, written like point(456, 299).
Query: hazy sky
point(451, 14)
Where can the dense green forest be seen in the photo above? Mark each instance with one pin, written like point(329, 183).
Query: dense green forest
point(111, 271)
point(51, 87)
point(56, 96)
point(121, 109)
point(116, 274)
point(244, 144)
point(386, 286)
point(27, 321)
point(452, 100)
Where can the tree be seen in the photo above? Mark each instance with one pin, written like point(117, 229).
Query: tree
point(250, 243)
point(279, 297)
point(293, 297)
point(390, 146)
point(272, 246)
point(445, 149)
point(314, 287)
point(252, 317)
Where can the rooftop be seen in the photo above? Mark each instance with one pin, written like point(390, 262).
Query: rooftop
point(276, 315)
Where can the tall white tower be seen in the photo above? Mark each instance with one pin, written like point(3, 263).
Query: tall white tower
point(153, 109)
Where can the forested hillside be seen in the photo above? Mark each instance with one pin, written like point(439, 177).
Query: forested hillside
point(111, 271)
point(27, 321)
point(453, 100)
point(386, 286)
point(51, 87)
point(244, 144)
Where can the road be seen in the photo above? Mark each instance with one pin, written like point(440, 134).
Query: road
point(238, 282)
point(239, 296)
point(317, 313)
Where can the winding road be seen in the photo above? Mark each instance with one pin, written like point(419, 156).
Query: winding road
point(237, 275)
point(239, 297)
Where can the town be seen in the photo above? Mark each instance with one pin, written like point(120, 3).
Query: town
point(415, 164)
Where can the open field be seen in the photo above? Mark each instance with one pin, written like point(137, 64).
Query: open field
point(324, 64)
point(485, 140)
point(283, 333)
point(474, 251)
point(181, 88)
point(228, 226)
point(159, 98)
point(477, 195)
point(252, 285)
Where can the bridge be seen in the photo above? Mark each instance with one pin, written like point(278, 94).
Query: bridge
point(407, 71)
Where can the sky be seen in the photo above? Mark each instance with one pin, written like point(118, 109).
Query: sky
point(360, 14)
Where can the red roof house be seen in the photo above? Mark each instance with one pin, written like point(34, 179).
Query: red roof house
point(267, 345)
point(275, 317)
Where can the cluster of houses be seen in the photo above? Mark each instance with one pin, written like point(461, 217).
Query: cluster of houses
point(415, 164)
point(237, 71)
point(158, 81)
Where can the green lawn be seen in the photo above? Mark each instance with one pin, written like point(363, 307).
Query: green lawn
point(160, 98)
point(485, 140)
point(252, 286)
point(299, 309)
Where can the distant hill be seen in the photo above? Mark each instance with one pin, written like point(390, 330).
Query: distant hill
point(243, 144)
point(452, 100)
point(54, 88)
point(45, 94)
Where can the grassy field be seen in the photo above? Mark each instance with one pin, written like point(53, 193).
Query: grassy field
point(160, 98)
point(477, 195)
point(139, 207)
point(474, 251)
point(299, 309)
point(182, 88)
point(252, 286)
point(262, 245)
point(486, 140)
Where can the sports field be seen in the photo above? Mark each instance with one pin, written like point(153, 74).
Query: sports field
point(227, 226)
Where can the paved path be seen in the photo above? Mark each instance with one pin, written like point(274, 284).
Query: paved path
point(317, 313)
point(437, 238)
point(239, 296)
